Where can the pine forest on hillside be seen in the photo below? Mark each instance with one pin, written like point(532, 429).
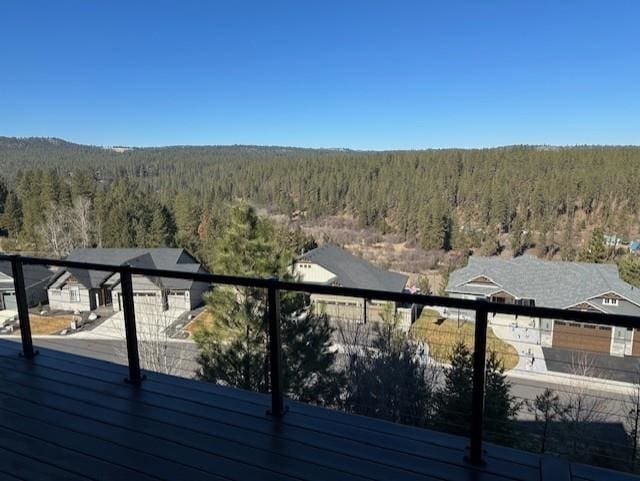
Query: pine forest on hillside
point(56, 195)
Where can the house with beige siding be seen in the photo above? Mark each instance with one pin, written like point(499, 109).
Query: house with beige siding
point(85, 290)
point(332, 265)
point(530, 281)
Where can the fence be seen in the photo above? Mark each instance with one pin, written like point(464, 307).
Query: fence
point(482, 312)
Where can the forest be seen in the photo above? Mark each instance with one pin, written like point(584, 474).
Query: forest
point(518, 198)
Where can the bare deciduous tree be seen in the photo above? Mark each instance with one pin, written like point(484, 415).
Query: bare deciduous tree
point(57, 230)
point(581, 405)
point(80, 219)
point(68, 228)
point(157, 351)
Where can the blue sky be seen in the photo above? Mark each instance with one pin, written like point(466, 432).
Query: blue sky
point(357, 74)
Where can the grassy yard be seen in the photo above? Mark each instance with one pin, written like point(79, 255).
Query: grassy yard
point(442, 334)
point(41, 325)
point(205, 321)
point(201, 321)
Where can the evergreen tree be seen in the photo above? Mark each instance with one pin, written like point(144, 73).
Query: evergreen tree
point(83, 184)
point(11, 218)
point(547, 409)
point(234, 350)
point(390, 381)
point(516, 237)
point(161, 230)
point(187, 212)
point(424, 285)
point(629, 268)
point(118, 213)
point(596, 250)
point(3, 195)
point(454, 400)
point(500, 406)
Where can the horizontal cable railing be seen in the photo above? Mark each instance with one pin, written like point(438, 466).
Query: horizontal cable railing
point(482, 312)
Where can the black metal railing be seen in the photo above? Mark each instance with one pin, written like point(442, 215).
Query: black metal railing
point(273, 287)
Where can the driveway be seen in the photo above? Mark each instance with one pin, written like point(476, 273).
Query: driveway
point(604, 366)
point(521, 334)
point(6, 314)
point(151, 323)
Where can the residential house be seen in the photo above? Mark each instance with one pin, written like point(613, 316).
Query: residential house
point(528, 280)
point(36, 279)
point(86, 290)
point(613, 241)
point(634, 247)
point(331, 265)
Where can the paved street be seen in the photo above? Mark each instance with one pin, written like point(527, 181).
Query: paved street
point(180, 355)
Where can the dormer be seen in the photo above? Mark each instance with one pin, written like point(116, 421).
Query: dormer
point(481, 281)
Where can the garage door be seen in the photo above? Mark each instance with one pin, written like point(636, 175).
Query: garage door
point(9, 301)
point(177, 301)
point(582, 337)
point(142, 300)
point(635, 349)
point(146, 301)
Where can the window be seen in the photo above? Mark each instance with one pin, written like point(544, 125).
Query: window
point(74, 294)
point(608, 301)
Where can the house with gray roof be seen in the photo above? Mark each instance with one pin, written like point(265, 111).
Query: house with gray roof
point(528, 280)
point(85, 290)
point(36, 279)
point(331, 265)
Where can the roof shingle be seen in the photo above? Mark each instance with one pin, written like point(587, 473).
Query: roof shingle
point(550, 283)
point(353, 271)
point(174, 259)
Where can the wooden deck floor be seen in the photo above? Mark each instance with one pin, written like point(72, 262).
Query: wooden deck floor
point(69, 417)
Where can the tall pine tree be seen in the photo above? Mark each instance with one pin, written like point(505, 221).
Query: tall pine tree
point(234, 348)
point(595, 251)
point(454, 400)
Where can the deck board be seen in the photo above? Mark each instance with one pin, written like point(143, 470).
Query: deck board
point(64, 416)
point(388, 445)
point(15, 465)
point(398, 432)
point(426, 459)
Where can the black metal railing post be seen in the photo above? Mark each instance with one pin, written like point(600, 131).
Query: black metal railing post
point(128, 309)
point(275, 349)
point(475, 454)
point(23, 308)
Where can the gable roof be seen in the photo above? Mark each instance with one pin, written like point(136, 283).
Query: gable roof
point(174, 259)
point(549, 283)
point(353, 271)
point(32, 273)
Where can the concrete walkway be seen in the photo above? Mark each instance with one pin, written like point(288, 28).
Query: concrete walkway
point(522, 335)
